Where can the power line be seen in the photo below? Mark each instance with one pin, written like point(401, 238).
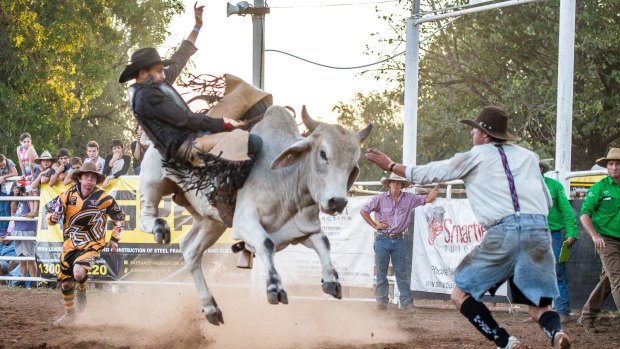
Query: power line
point(337, 5)
point(333, 67)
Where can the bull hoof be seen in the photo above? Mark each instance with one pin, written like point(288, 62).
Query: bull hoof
point(161, 231)
point(277, 297)
point(214, 317)
point(333, 288)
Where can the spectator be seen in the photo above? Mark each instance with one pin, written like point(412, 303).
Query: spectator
point(92, 150)
point(117, 164)
point(600, 216)
point(24, 248)
point(60, 169)
point(26, 154)
point(11, 268)
point(76, 163)
point(7, 170)
point(393, 213)
point(42, 174)
point(137, 150)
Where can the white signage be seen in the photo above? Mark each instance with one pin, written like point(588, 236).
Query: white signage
point(444, 233)
point(352, 254)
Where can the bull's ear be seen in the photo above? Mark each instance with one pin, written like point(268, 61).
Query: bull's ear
point(291, 154)
point(352, 177)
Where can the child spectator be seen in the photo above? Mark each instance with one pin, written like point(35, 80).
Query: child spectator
point(137, 150)
point(61, 168)
point(92, 150)
point(24, 248)
point(25, 156)
point(76, 163)
point(116, 164)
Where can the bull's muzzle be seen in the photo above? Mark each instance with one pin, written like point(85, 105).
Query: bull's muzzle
point(337, 204)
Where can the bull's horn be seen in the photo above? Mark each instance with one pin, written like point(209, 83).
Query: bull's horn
point(308, 121)
point(361, 135)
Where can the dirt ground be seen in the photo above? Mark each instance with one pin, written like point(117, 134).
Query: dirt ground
point(169, 317)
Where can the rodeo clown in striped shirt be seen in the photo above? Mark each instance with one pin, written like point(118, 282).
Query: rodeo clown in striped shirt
point(86, 209)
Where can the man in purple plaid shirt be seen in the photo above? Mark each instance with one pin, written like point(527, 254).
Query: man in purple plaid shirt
point(393, 213)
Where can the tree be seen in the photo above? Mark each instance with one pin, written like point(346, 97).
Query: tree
point(508, 57)
point(61, 62)
point(383, 111)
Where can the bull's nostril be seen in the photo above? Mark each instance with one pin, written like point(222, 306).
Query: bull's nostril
point(337, 204)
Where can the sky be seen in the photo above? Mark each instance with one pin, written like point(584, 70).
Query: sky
point(330, 32)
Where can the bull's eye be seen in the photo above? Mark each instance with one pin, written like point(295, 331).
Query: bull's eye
point(323, 155)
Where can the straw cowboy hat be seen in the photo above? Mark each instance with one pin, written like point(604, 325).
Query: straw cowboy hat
point(44, 156)
point(142, 59)
point(493, 121)
point(87, 167)
point(393, 177)
point(239, 97)
point(614, 154)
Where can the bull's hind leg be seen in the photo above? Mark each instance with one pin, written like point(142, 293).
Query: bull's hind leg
point(202, 234)
point(320, 244)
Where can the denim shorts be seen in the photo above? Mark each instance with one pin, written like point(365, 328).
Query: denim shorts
point(517, 248)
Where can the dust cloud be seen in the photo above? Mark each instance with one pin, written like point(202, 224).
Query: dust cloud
point(170, 317)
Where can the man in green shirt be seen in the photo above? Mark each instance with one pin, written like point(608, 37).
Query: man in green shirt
point(600, 216)
point(560, 217)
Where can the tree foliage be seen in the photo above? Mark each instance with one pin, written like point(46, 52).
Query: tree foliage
point(508, 57)
point(60, 66)
point(387, 132)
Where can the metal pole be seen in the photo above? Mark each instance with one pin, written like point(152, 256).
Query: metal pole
point(410, 130)
point(564, 118)
point(473, 10)
point(258, 47)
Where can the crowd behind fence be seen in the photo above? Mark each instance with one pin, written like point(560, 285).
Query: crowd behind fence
point(359, 188)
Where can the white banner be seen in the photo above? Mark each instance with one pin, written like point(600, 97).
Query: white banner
point(352, 253)
point(444, 233)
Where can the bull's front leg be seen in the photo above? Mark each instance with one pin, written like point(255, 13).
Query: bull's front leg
point(320, 243)
point(257, 239)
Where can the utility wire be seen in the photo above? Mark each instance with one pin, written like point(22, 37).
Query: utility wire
point(365, 65)
point(332, 67)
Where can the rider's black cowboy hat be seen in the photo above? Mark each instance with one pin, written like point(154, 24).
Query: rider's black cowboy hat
point(142, 59)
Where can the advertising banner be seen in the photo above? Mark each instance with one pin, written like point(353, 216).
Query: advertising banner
point(352, 254)
point(138, 257)
point(444, 233)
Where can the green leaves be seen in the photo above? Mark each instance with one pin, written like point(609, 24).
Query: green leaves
point(509, 57)
point(60, 66)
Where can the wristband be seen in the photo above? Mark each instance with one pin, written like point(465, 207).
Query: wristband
point(196, 29)
point(392, 166)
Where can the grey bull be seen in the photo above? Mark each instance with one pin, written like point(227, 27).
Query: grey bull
point(293, 179)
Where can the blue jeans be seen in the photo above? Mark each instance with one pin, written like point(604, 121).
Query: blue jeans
point(5, 211)
point(518, 247)
point(560, 304)
point(384, 249)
